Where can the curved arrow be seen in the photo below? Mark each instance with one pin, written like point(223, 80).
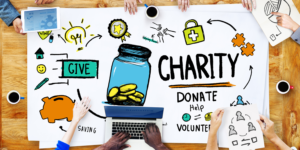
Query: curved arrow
point(250, 76)
point(93, 38)
point(61, 38)
point(209, 22)
point(78, 92)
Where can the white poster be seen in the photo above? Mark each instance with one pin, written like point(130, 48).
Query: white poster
point(195, 63)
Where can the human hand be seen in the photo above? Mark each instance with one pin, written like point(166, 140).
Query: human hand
point(38, 2)
point(116, 142)
point(216, 120)
point(152, 136)
point(131, 6)
point(267, 127)
point(183, 4)
point(286, 21)
point(81, 108)
point(17, 23)
point(248, 5)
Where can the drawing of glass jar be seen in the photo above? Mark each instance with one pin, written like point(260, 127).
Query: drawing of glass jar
point(129, 76)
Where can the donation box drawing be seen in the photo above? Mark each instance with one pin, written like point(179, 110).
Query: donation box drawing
point(57, 107)
point(129, 76)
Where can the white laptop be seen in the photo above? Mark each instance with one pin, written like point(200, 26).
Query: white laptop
point(133, 120)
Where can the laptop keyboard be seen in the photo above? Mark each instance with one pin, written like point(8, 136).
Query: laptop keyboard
point(133, 128)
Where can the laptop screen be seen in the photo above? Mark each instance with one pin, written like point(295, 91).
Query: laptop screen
point(133, 112)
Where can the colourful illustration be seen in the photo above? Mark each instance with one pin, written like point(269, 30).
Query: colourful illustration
point(118, 29)
point(248, 50)
point(238, 40)
point(41, 69)
point(76, 34)
point(193, 35)
point(44, 34)
point(208, 116)
point(39, 54)
point(57, 107)
point(239, 101)
point(186, 117)
point(41, 83)
point(72, 68)
point(129, 77)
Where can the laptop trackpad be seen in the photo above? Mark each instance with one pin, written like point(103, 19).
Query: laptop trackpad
point(138, 145)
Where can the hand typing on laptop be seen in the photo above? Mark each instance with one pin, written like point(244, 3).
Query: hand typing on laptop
point(152, 137)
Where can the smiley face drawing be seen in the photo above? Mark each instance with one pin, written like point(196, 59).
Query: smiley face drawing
point(41, 69)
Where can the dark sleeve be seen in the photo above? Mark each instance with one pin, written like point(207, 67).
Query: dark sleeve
point(296, 36)
point(62, 146)
point(8, 12)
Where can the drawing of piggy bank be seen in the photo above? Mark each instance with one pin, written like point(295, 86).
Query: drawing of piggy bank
point(57, 107)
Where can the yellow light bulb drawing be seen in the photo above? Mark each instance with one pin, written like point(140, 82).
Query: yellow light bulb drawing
point(76, 34)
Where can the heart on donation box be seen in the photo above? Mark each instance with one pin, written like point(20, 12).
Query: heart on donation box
point(44, 34)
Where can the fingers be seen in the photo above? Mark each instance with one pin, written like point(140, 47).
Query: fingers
point(179, 4)
point(250, 5)
point(188, 3)
point(140, 1)
point(126, 138)
point(221, 114)
point(147, 129)
point(185, 5)
point(125, 6)
point(145, 136)
point(125, 146)
point(262, 126)
point(44, 1)
point(117, 134)
point(254, 4)
point(216, 112)
point(277, 13)
point(135, 6)
point(123, 135)
point(243, 3)
point(38, 2)
point(157, 129)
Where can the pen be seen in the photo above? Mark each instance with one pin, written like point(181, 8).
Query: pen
point(41, 83)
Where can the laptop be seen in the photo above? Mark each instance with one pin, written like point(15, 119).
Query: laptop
point(132, 120)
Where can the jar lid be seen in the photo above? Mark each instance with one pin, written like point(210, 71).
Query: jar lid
point(135, 50)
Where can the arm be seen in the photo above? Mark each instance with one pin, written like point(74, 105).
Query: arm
point(216, 120)
point(267, 127)
point(286, 21)
point(79, 111)
point(153, 138)
point(296, 36)
point(8, 13)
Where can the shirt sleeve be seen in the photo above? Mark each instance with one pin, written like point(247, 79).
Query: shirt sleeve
point(8, 12)
point(62, 146)
point(296, 36)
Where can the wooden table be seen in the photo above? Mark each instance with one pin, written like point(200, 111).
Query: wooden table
point(284, 62)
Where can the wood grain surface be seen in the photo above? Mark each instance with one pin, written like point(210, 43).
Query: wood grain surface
point(284, 64)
